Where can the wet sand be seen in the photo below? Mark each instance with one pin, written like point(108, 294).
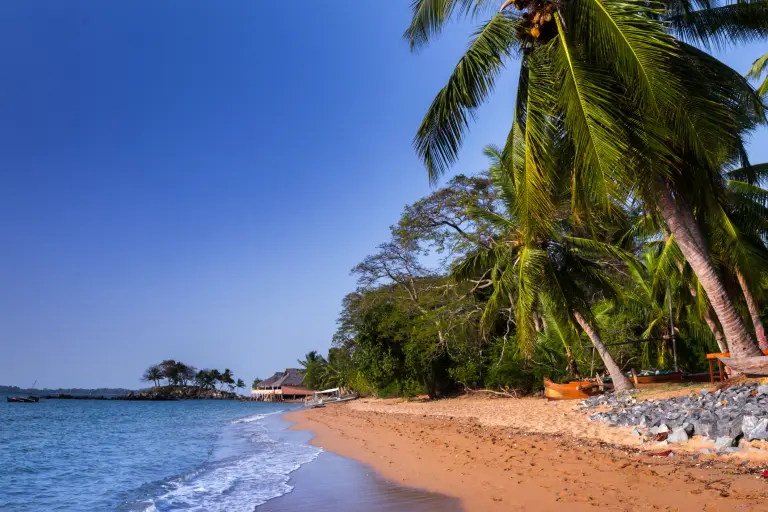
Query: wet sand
point(529, 454)
point(336, 484)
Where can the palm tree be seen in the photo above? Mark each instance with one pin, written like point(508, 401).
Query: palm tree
point(215, 377)
point(616, 83)
point(226, 378)
point(314, 369)
point(153, 374)
point(256, 382)
point(205, 379)
point(311, 357)
point(240, 384)
point(548, 267)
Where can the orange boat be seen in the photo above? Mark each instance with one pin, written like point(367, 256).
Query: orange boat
point(571, 391)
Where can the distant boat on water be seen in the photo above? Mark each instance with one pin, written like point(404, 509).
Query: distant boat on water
point(24, 399)
point(31, 399)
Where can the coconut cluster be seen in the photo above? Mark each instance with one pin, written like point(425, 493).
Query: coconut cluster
point(538, 19)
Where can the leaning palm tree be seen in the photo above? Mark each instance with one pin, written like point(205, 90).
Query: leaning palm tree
point(616, 84)
point(546, 267)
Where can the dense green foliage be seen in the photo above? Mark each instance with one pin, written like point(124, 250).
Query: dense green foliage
point(410, 329)
point(621, 217)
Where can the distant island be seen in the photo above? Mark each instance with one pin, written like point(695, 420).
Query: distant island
point(13, 390)
point(170, 380)
point(185, 382)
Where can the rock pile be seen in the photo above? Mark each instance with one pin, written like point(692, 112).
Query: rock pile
point(726, 416)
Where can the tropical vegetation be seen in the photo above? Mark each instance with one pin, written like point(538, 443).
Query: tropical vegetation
point(178, 374)
point(620, 224)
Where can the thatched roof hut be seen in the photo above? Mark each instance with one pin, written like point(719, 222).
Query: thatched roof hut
point(287, 385)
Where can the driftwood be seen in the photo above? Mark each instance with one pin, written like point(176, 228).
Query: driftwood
point(496, 394)
point(757, 366)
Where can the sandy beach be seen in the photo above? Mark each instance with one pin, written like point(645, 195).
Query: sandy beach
point(530, 454)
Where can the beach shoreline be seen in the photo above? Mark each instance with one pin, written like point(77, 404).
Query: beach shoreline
point(477, 451)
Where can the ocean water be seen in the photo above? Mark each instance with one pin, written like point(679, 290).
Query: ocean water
point(212, 456)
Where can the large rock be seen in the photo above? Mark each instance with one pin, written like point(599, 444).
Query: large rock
point(704, 428)
point(721, 443)
point(755, 428)
point(678, 435)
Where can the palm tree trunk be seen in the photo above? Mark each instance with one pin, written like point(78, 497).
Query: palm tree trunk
point(709, 319)
point(716, 332)
point(737, 336)
point(754, 310)
point(620, 381)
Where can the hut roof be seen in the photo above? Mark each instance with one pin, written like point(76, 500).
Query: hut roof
point(270, 382)
point(293, 377)
point(290, 377)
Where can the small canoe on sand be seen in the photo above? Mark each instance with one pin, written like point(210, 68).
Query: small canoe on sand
point(571, 390)
point(757, 366)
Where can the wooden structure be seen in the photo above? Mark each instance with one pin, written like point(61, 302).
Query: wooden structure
point(570, 391)
point(746, 366)
point(287, 385)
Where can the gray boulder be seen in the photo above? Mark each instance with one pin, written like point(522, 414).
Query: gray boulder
point(704, 428)
point(678, 435)
point(721, 443)
point(755, 428)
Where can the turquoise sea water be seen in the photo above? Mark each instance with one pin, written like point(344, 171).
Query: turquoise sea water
point(130, 456)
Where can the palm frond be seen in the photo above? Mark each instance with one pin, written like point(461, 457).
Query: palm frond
point(717, 27)
point(591, 100)
point(759, 67)
point(440, 135)
point(430, 16)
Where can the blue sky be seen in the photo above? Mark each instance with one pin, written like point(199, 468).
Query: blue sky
point(194, 180)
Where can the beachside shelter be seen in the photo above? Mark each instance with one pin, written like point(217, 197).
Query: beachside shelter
point(287, 385)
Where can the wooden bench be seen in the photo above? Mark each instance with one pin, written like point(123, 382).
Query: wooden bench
point(721, 375)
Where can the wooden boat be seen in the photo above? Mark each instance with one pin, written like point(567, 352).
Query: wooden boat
point(757, 366)
point(658, 379)
point(24, 399)
point(570, 391)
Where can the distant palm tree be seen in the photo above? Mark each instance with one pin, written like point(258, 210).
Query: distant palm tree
point(226, 378)
point(205, 379)
point(240, 384)
point(256, 382)
point(215, 377)
point(153, 374)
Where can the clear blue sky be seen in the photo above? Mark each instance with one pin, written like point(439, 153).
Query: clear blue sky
point(194, 180)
